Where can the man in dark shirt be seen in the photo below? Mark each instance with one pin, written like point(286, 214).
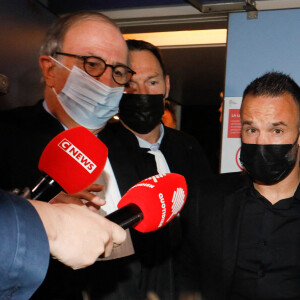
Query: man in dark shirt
point(243, 236)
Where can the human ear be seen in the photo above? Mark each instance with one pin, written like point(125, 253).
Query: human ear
point(167, 83)
point(47, 66)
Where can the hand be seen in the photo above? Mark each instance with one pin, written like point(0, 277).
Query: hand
point(92, 201)
point(77, 236)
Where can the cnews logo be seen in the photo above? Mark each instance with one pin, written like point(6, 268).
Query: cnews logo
point(77, 155)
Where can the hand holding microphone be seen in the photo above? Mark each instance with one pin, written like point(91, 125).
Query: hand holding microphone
point(152, 203)
point(72, 161)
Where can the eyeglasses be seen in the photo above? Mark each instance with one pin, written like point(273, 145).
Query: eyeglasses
point(96, 66)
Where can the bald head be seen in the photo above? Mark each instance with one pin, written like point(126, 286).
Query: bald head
point(55, 36)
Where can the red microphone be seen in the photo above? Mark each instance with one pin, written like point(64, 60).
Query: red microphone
point(152, 203)
point(72, 161)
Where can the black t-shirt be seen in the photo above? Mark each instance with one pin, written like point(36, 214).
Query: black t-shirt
point(268, 261)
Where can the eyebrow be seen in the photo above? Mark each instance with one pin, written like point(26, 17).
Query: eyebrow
point(279, 123)
point(115, 64)
point(153, 76)
point(149, 77)
point(273, 124)
point(247, 123)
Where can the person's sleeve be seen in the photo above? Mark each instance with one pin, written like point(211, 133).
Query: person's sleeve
point(24, 248)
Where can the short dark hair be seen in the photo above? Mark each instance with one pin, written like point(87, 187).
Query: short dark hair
point(273, 84)
point(139, 45)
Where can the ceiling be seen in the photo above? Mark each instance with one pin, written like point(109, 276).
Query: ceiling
point(59, 7)
point(197, 73)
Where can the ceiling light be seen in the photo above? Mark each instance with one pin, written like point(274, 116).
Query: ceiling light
point(181, 38)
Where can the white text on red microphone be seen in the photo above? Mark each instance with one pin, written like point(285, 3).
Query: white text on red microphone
point(77, 155)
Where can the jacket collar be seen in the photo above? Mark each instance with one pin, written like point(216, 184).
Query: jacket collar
point(232, 214)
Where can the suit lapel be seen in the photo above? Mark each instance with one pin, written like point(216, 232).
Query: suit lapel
point(232, 212)
point(130, 163)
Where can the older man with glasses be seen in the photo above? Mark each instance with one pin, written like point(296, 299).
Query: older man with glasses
point(84, 61)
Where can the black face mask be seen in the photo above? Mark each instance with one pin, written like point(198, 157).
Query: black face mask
point(141, 112)
point(269, 163)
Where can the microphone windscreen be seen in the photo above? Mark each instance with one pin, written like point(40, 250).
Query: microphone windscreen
point(160, 198)
point(74, 159)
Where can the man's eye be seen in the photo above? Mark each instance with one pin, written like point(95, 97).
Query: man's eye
point(278, 131)
point(153, 82)
point(92, 64)
point(251, 130)
point(119, 73)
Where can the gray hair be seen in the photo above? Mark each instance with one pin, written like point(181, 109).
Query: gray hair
point(54, 38)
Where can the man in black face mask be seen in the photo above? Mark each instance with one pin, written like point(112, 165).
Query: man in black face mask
point(141, 146)
point(246, 227)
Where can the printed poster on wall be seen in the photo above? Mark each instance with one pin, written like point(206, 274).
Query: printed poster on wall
point(231, 136)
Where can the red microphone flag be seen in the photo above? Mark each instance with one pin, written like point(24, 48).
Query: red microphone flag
point(160, 198)
point(74, 159)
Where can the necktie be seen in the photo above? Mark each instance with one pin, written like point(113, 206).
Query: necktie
point(161, 163)
point(112, 196)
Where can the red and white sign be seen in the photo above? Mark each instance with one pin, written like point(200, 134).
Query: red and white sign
point(231, 137)
point(234, 124)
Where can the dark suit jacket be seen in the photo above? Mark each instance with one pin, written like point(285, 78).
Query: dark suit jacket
point(151, 268)
point(211, 225)
point(25, 132)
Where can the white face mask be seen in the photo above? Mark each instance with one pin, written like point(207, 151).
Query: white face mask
point(88, 101)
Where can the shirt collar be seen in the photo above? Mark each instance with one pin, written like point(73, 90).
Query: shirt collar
point(155, 146)
point(281, 204)
point(48, 111)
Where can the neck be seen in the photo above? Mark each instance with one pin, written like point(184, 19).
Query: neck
point(151, 137)
point(281, 190)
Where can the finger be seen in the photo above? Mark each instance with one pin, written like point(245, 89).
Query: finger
point(62, 197)
point(93, 207)
point(118, 234)
point(95, 188)
point(108, 248)
point(85, 195)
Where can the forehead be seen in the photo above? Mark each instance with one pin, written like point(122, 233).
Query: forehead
point(96, 37)
point(144, 62)
point(270, 109)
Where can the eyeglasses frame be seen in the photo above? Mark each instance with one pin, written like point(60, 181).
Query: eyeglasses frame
point(84, 57)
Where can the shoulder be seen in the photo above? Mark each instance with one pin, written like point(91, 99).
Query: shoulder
point(211, 192)
point(181, 140)
point(29, 118)
point(20, 112)
point(116, 134)
point(180, 135)
point(224, 183)
point(216, 187)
